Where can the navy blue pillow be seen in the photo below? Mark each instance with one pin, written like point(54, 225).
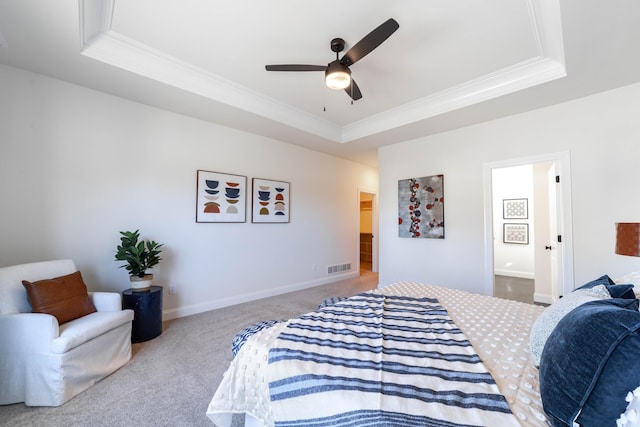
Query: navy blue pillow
point(590, 362)
point(616, 291)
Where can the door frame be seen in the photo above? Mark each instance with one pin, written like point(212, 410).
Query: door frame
point(374, 228)
point(565, 249)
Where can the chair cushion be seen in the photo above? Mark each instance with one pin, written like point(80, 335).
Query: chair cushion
point(64, 297)
point(83, 329)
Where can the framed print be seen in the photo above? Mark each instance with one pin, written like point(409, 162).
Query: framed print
point(270, 201)
point(421, 207)
point(516, 233)
point(220, 197)
point(515, 209)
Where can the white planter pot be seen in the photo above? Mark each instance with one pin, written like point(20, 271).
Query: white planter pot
point(140, 284)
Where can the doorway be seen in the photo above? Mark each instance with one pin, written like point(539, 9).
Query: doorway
point(368, 247)
point(528, 240)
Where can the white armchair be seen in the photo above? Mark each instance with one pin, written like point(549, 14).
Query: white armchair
point(43, 363)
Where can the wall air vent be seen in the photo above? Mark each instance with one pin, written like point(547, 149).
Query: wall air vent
point(333, 269)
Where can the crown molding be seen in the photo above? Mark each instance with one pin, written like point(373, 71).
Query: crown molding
point(95, 19)
point(548, 65)
point(127, 54)
point(508, 80)
point(100, 42)
point(103, 44)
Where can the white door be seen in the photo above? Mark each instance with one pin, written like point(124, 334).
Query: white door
point(559, 259)
point(546, 233)
point(552, 248)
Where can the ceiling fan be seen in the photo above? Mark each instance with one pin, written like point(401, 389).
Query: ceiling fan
point(337, 73)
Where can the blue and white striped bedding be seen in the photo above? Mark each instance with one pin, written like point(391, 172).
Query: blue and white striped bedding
point(381, 360)
point(497, 328)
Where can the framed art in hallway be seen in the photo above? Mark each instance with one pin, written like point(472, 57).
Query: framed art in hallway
point(516, 233)
point(220, 197)
point(515, 209)
point(270, 201)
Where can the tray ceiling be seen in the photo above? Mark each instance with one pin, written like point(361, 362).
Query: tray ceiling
point(450, 64)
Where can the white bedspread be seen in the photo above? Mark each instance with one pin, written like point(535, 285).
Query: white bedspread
point(498, 330)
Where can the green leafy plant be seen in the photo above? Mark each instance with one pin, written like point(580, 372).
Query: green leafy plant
point(139, 256)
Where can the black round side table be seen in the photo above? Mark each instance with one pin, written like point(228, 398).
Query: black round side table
point(147, 312)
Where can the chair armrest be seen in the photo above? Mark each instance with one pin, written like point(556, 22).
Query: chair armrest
point(32, 332)
point(106, 301)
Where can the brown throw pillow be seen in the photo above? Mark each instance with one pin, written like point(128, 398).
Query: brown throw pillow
point(64, 297)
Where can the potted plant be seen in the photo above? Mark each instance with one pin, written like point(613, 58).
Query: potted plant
point(139, 256)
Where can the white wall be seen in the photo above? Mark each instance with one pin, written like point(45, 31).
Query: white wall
point(511, 259)
point(77, 166)
point(601, 133)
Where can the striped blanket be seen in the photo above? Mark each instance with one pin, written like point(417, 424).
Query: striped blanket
point(381, 360)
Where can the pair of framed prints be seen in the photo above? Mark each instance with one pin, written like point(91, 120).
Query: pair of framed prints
point(222, 197)
point(517, 232)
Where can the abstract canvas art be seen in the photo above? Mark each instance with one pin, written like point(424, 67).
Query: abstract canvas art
point(421, 207)
point(270, 201)
point(220, 197)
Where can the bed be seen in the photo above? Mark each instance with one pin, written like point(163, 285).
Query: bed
point(406, 354)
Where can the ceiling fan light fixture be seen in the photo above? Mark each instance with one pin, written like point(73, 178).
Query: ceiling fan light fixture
point(337, 76)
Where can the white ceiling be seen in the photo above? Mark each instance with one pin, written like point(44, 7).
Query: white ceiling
point(450, 64)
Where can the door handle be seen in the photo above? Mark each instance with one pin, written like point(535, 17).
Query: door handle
point(548, 248)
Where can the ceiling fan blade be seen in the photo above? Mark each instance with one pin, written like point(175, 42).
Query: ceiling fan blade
point(356, 94)
point(295, 67)
point(370, 42)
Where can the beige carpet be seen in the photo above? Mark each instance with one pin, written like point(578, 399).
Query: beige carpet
point(171, 379)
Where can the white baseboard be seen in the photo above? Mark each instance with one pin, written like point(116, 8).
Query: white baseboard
point(543, 298)
point(174, 313)
point(511, 273)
